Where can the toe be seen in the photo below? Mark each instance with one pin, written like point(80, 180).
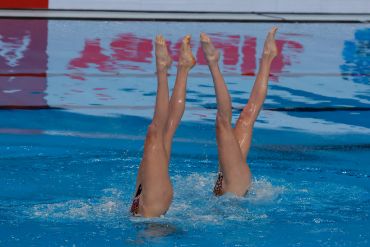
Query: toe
point(160, 39)
point(186, 39)
point(273, 31)
point(204, 37)
point(186, 42)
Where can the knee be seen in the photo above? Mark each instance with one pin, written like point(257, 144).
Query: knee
point(222, 122)
point(247, 117)
point(153, 131)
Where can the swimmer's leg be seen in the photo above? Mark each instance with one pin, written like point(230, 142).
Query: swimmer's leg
point(157, 192)
point(236, 174)
point(163, 62)
point(244, 126)
point(177, 101)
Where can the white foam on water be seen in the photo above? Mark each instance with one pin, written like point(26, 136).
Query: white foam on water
point(262, 191)
point(102, 209)
point(194, 204)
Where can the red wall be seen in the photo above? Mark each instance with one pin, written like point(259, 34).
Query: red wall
point(27, 75)
point(24, 4)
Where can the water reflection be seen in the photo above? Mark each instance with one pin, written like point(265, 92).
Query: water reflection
point(153, 232)
point(129, 52)
point(356, 54)
point(23, 62)
point(110, 71)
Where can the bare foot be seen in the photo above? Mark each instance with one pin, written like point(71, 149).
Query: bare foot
point(186, 59)
point(270, 50)
point(163, 59)
point(210, 52)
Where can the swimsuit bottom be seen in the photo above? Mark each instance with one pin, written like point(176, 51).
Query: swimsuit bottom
point(135, 203)
point(217, 190)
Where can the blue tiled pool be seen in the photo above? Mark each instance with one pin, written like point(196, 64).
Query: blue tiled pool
point(76, 98)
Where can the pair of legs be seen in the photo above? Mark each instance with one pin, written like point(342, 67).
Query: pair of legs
point(153, 186)
point(234, 143)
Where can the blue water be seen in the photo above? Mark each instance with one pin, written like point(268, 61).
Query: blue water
point(67, 172)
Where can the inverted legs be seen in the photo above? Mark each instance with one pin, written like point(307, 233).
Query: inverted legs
point(234, 144)
point(156, 195)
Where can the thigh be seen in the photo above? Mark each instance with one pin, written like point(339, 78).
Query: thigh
point(153, 176)
point(154, 170)
point(232, 164)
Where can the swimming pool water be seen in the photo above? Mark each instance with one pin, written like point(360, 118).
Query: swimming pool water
point(76, 98)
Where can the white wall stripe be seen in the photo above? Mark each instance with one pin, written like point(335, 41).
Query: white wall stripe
point(273, 6)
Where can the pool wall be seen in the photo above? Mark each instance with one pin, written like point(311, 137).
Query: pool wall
point(99, 69)
point(237, 6)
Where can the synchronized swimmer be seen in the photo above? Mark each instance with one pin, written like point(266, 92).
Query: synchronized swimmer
point(154, 190)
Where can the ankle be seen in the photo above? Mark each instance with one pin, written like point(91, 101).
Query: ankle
point(162, 69)
point(213, 64)
point(267, 57)
point(183, 67)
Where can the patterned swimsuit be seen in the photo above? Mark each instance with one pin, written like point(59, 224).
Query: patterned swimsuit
point(135, 203)
point(217, 190)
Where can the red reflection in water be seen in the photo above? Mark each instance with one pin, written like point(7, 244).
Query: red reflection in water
point(249, 55)
point(23, 52)
point(285, 59)
point(92, 54)
point(129, 48)
point(174, 50)
point(228, 45)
